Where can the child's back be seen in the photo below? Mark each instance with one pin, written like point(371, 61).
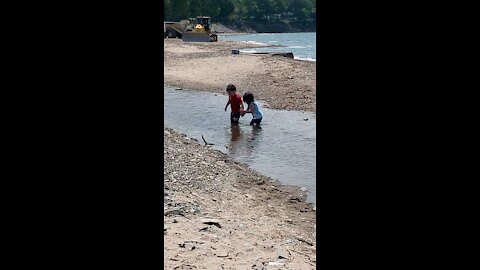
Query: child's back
point(256, 111)
point(252, 108)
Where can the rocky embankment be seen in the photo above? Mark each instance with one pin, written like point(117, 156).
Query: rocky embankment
point(219, 214)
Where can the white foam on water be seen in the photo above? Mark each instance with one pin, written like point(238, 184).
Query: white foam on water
point(297, 47)
point(306, 59)
point(249, 51)
point(254, 42)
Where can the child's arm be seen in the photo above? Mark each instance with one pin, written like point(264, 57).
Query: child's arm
point(228, 103)
point(250, 109)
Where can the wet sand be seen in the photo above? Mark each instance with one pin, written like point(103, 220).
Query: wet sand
point(219, 214)
point(282, 83)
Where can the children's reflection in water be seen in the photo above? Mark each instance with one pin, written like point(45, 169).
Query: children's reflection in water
point(236, 134)
point(256, 131)
point(243, 145)
point(253, 140)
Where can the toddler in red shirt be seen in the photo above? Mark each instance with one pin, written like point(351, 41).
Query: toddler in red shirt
point(235, 102)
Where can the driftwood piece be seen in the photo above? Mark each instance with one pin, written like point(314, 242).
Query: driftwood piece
point(206, 143)
point(284, 54)
point(288, 54)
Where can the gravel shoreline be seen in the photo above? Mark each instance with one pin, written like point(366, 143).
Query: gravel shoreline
point(219, 214)
point(282, 83)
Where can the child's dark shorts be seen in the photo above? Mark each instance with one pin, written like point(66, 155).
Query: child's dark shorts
point(234, 116)
point(256, 121)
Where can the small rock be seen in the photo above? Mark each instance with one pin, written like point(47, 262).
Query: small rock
point(222, 254)
point(291, 242)
point(281, 254)
point(258, 267)
point(212, 222)
point(174, 212)
point(305, 119)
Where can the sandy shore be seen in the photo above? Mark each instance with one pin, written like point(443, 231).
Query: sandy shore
point(282, 83)
point(221, 215)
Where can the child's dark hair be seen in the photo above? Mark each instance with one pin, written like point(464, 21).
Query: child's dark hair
point(248, 97)
point(231, 87)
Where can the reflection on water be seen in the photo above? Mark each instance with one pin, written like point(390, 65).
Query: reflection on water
point(235, 130)
point(284, 148)
point(235, 134)
point(254, 137)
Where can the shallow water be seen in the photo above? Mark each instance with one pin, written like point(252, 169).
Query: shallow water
point(302, 45)
point(284, 148)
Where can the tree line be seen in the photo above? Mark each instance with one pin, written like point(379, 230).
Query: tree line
point(243, 12)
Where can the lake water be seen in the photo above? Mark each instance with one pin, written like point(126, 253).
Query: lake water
point(302, 45)
point(284, 148)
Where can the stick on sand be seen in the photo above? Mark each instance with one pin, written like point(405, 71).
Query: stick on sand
point(206, 141)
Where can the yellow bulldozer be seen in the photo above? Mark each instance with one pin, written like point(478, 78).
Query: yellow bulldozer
point(199, 29)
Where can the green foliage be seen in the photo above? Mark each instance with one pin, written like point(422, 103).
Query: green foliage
point(179, 9)
point(241, 12)
point(226, 10)
point(167, 9)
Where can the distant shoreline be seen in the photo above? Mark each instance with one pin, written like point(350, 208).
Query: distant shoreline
point(260, 29)
point(246, 33)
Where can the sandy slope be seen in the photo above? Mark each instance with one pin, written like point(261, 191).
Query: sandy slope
point(261, 225)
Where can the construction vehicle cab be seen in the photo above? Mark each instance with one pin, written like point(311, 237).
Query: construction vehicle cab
point(204, 21)
point(199, 30)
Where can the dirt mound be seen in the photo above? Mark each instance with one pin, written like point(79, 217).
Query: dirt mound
point(220, 28)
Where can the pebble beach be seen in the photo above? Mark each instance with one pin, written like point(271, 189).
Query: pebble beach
point(219, 213)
